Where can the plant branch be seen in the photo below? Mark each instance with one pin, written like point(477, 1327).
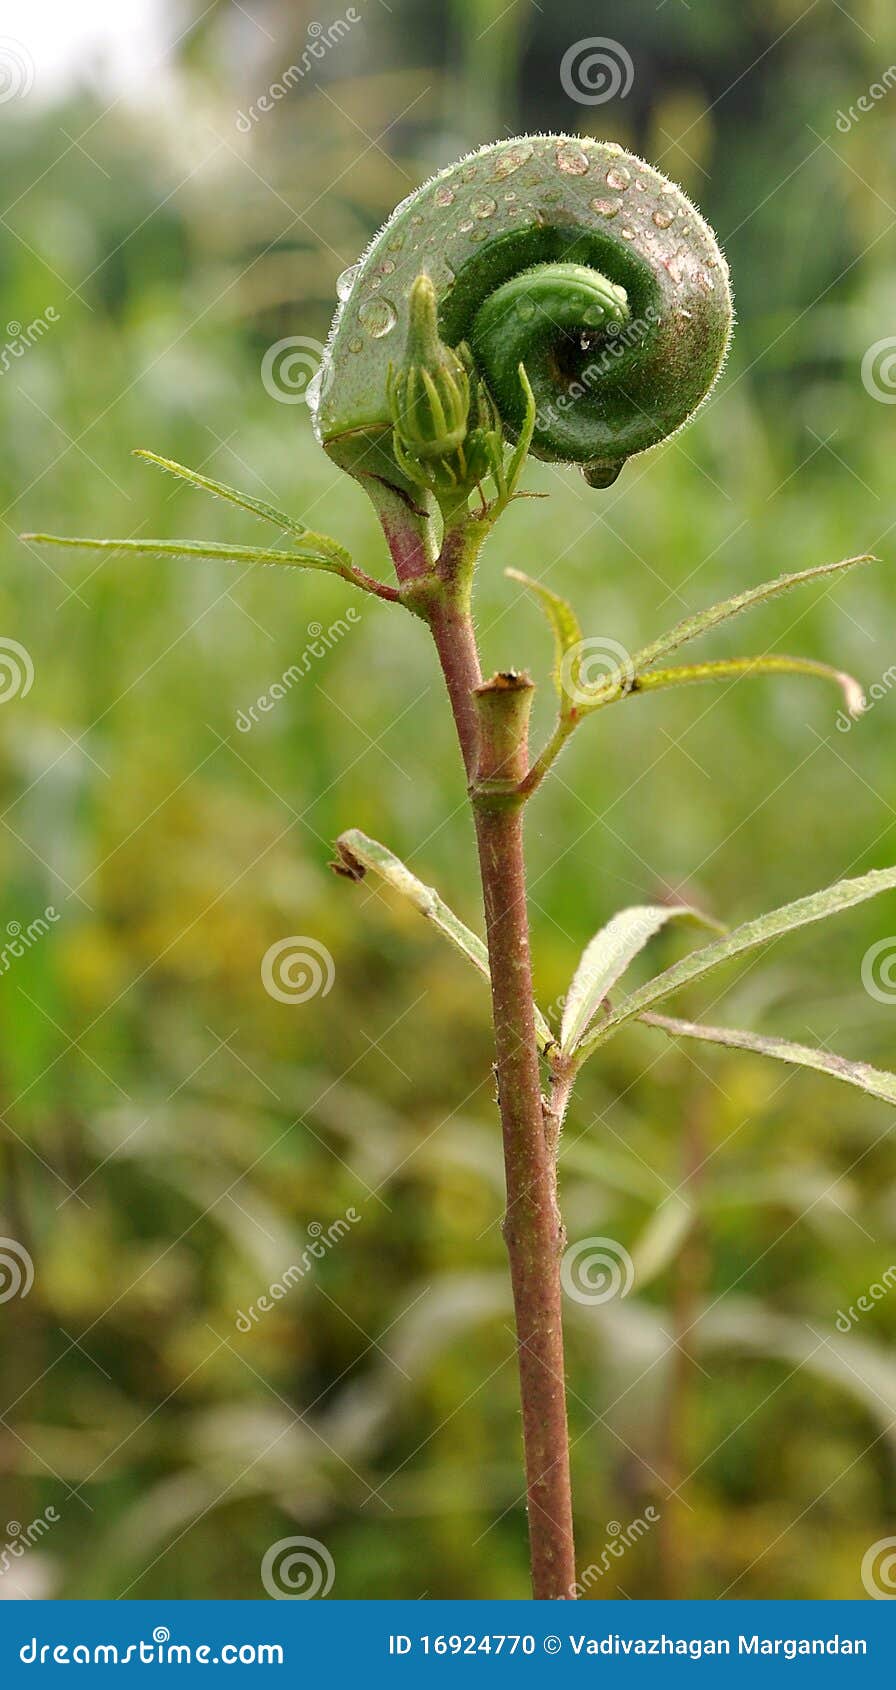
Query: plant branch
point(358, 853)
point(311, 553)
point(654, 680)
point(735, 668)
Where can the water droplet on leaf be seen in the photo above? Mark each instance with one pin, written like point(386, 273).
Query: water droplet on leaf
point(511, 161)
point(602, 474)
point(312, 391)
point(572, 160)
point(377, 316)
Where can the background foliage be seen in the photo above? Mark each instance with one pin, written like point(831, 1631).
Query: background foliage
point(170, 1131)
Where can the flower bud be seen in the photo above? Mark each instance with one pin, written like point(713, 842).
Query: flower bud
point(429, 394)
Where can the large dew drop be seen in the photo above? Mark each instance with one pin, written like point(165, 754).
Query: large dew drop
point(346, 281)
point(377, 316)
point(312, 391)
point(511, 161)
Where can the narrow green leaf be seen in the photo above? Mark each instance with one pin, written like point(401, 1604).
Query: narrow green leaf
point(358, 853)
point(733, 668)
point(567, 634)
point(521, 449)
point(693, 626)
point(246, 501)
point(631, 673)
point(841, 896)
point(605, 959)
point(874, 1080)
point(195, 548)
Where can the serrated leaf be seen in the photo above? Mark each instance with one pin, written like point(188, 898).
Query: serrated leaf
point(246, 501)
point(297, 559)
point(691, 627)
point(876, 1081)
point(359, 853)
point(734, 668)
point(565, 626)
point(817, 907)
point(607, 956)
point(635, 673)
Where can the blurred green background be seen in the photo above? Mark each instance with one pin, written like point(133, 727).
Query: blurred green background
point(173, 1137)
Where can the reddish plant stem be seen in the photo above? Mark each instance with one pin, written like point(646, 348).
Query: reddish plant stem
point(452, 630)
point(492, 726)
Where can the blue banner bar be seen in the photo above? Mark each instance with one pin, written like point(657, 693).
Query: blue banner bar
point(443, 1643)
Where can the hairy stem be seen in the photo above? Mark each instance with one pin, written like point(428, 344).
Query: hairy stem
point(492, 726)
point(451, 625)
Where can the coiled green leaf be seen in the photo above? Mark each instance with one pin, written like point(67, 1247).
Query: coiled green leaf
point(568, 255)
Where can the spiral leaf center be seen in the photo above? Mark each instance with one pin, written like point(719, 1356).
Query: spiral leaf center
point(554, 318)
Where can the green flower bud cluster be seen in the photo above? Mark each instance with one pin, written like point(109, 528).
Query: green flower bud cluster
point(446, 434)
